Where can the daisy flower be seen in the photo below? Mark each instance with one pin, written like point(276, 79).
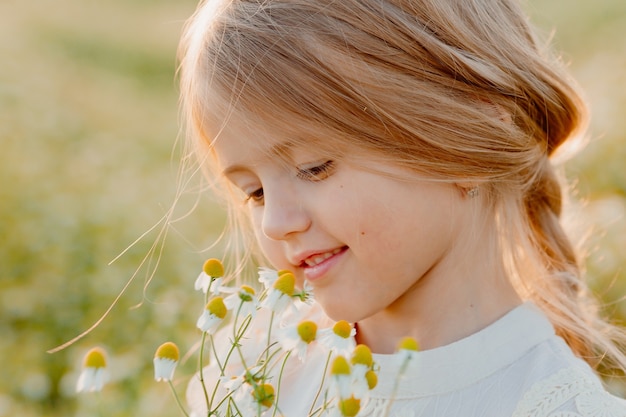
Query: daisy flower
point(253, 399)
point(341, 377)
point(243, 299)
point(297, 338)
point(248, 375)
point(407, 352)
point(211, 276)
point(306, 295)
point(364, 377)
point(94, 374)
point(268, 276)
point(339, 339)
point(212, 316)
point(279, 296)
point(349, 407)
point(348, 400)
point(264, 395)
point(408, 349)
point(165, 361)
point(243, 399)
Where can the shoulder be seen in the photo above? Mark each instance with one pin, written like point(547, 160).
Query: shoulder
point(569, 392)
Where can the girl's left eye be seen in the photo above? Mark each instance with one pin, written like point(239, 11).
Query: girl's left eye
point(317, 172)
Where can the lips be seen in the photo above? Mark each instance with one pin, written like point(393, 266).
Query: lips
point(316, 264)
point(321, 257)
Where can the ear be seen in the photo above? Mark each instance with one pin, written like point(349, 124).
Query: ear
point(468, 189)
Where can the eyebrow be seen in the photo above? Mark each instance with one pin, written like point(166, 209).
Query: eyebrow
point(281, 150)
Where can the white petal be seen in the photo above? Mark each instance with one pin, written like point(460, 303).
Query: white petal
point(164, 369)
point(208, 322)
point(91, 379)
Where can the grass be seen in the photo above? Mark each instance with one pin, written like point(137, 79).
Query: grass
point(88, 119)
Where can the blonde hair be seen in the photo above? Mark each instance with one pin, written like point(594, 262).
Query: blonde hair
point(460, 90)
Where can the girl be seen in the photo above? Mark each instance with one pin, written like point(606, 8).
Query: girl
point(396, 156)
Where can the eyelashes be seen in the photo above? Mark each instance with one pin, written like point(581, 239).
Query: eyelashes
point(255, 196)
point(317, 172)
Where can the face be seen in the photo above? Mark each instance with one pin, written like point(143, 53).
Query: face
point(362, 239)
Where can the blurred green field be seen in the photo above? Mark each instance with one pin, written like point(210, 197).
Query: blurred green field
point(88, 122)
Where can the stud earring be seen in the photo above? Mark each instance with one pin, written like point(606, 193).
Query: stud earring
point(472, 192)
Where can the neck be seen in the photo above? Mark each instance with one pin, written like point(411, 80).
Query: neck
point(452, 301)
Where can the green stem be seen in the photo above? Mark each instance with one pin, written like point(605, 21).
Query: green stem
point(180, 404)
point(226, 397)
point(99, 404)
point(321, 408)
point(217, 359)
point(201, 356)
point(201, 371)
point(403, 368)
point(238, 334)
point(213, 394)
point(234, 404)
point(269, 338)
point(280, 380)
point(319, 391)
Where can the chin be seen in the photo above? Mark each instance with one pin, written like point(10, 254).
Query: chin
point(339, 311)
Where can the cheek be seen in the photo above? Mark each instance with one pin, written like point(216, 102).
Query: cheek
point(272, 250)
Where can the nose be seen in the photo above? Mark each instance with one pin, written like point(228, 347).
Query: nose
point(284, 214)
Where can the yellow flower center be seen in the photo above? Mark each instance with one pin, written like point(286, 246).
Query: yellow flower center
point(349, 407)
point(217, 307)
point(342, 329)
point(340, 366)
point(371, 378)
point(362, 355)
point(168, 350)
point(213, 268)
point(283, 272)
point(246, 292)
point(248, 289)
point(408, 343)
point(250, 377)
point(264, 394)
point(307, 331)
point(95, 358)
point(286, 283)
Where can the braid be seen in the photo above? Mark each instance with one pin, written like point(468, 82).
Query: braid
point(543, 203)
point(562, 293)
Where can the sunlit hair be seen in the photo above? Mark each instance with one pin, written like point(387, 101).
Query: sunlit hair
point(458, 90)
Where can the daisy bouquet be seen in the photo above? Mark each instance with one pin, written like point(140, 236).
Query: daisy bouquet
point(252, 342)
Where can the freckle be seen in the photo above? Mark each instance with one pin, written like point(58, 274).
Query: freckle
point(362, 233)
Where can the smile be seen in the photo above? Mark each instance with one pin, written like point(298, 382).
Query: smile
point(319, 258)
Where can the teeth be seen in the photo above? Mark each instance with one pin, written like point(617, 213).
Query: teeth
point(318, 259)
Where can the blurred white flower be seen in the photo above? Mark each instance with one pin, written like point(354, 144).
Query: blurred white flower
point(94, 374)
point(339, 339)
point(210, 277)
point(296, 339)
point(280, 294)
point(341, 378)
point(408, 349)
point(364, 378)
point(212, 316)
point(165, 361)
point(267, 277)
point(253, 399)
point(243, 299)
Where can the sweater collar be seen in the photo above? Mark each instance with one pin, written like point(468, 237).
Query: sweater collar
point(467, 361)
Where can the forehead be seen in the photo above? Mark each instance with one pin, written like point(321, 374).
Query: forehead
point(244, 136)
